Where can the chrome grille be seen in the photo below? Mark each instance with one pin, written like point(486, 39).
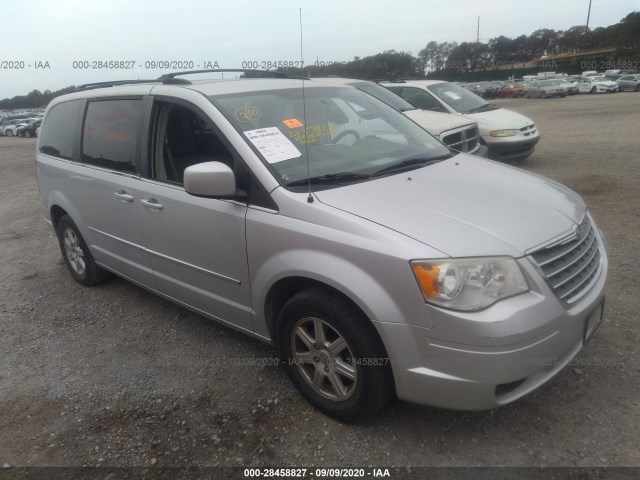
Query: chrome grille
point(529, 130)
point(571, 267)
point(462, 140)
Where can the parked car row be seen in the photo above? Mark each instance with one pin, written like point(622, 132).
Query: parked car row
point(550, 84)
point(508, 136)
point(20, 127)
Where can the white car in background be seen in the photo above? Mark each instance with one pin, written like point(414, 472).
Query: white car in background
point(597, 84)
point(508, 135)
point(459, 134)
point(8, 128)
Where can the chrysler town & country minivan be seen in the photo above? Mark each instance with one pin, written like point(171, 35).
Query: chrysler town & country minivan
point(319, 219)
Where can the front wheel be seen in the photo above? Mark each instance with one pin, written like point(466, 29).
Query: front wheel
point(27, 134)
point(77, 255)
point(334, 355)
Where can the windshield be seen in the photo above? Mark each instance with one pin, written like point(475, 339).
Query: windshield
point(598, 79)
point(460, 99)
point(340, 130)
point(384, 94)
point(549, 83)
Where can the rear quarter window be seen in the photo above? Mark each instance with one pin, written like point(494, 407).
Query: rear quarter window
point(57, 133)
point(110, 134)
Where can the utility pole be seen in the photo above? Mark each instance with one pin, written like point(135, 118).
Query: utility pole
point(588, 15)
point(478, 34)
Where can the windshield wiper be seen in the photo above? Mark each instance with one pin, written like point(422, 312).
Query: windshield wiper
point(410, 164)
point(329, 178)
point(481, 107)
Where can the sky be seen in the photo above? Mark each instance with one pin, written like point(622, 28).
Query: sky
point(49, 41)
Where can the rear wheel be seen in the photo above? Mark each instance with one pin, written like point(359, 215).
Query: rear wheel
point(333, 355)
point(77, 256)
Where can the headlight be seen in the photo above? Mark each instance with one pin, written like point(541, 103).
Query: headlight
point(503, 133)
point(468, 283)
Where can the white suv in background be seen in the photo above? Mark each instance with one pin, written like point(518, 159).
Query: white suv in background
point(509, 136)
point(597, 84)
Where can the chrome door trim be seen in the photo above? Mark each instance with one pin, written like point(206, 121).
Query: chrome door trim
point(195, 267)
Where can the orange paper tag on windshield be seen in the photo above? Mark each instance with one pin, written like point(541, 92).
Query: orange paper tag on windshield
point(292, 123)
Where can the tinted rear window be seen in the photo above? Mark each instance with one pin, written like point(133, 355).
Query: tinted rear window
point(56, 137)
point(110, 134)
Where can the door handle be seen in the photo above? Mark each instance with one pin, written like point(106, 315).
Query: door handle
point(124, 196)
point(151, 203)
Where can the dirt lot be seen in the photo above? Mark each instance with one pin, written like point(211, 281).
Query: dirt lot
point(115, 376)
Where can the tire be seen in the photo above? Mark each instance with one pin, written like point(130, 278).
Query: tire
point(27, 134)
point(543, 95)
point(593, 90)
point(526, 95)
point(638, 88)
point(77, 255)
point(360, 385)
point(9, 133)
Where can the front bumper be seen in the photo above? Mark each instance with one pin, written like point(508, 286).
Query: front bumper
point(481, 360)
point(511, 148)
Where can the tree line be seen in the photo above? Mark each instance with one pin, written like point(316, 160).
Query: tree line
point(442, 58)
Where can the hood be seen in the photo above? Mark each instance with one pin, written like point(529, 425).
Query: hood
point(500, 118)
point(465, 206)
point(435, 122)
point(606, 83)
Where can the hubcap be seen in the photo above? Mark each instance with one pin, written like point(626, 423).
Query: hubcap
point(74, 252)
point(324, 359)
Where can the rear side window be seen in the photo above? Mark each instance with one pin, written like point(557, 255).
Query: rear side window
point(56, 137)
point(110, 134)
point(420, 99)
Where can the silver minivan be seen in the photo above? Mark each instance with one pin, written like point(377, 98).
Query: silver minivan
point(321, 220)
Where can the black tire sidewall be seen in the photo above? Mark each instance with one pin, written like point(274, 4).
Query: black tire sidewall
point(91, 270)
point(349, 323)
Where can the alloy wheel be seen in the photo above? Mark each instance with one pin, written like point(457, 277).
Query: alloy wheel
point(324, 359)
point(74, 252)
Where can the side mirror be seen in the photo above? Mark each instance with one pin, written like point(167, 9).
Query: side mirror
point(210, 179)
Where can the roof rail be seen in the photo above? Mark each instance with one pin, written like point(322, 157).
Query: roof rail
point(224, 70)
point(113, 83)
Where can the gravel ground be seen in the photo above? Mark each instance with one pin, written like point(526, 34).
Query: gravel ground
point(115, 376)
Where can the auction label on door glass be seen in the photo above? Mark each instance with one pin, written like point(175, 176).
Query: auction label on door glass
point(272, 144)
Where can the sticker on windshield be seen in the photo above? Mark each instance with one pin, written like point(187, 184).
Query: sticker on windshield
point(452, 95)
point(292, 123)
point(272, 144)
point(310, 134)
point(247, 113)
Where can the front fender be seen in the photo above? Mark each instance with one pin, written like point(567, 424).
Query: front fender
point(348, 278)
